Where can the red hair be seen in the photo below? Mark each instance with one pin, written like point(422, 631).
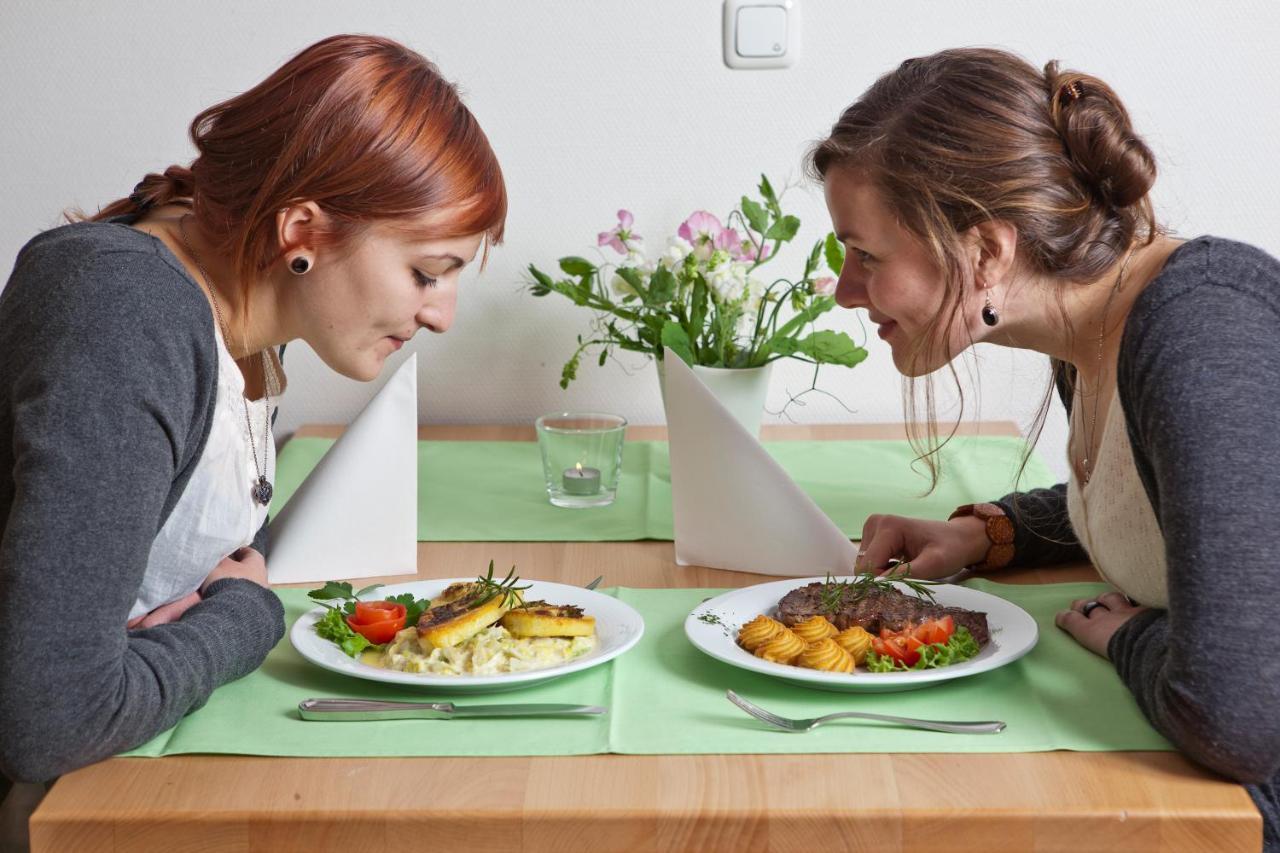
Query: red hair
point(362, 126)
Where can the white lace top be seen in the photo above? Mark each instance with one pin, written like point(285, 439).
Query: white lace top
point(216, 513)
point(1113, 519)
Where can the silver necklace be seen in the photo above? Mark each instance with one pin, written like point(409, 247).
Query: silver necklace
point(1087, 464)
point(261, 491)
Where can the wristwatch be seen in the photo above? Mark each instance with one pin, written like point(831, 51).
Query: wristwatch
point(999, 534)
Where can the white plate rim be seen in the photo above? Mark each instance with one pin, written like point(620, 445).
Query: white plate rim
point(325, 654)
point(711, 639)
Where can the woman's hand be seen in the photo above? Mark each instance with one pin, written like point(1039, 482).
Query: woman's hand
point(244, 563)
point(170, 612)
point(1105, 615)
point(935, 549)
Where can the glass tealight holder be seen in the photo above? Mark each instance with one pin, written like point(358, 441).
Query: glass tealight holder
point(581, 457)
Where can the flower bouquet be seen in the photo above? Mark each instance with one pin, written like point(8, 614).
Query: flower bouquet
point(702, 296)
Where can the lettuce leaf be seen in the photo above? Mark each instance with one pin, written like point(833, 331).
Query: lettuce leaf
point(960, 647)
point(332, 626)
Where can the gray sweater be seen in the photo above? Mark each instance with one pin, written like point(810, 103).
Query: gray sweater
point(108, 371)
point(1199, 380)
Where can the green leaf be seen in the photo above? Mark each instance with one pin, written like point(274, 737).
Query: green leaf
point(577, 266)
point(757, 217)
point(835, 254)
point(332, 626)
point(368, 589)
point(579, 293)
point(604, 356)
point(811, 262)
point(698, 309)
point(766, 190)
point(783, 229)
point(785, 346)
point(542, 282)
point(331, 590)
point(677, 339)
point(662, 287)
point(413, 607)
point(831, 347)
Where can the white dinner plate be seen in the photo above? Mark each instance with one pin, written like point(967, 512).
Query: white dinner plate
point(713, 626)
point(618, 628)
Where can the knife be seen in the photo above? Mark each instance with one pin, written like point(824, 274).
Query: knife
point(371, 709)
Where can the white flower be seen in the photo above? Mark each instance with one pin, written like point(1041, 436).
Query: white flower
point(677, 250)
point(621, 287)
point(728, 281)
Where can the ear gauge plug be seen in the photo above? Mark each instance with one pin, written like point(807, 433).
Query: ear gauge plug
point(299, 265)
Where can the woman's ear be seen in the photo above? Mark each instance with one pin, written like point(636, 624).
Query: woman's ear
point(296, 226)
point(993, 245)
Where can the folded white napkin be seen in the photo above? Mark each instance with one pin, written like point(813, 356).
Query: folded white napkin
point(356, 514)
point(734, 506)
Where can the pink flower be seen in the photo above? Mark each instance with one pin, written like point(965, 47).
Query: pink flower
point(621, 234)
point(748, 252)
point(825, 286)
point(700, 228)
point(729, 240)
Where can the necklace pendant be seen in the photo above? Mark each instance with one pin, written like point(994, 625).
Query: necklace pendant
point(262, 491)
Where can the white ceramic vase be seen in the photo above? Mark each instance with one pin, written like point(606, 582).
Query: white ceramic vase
point(740, 390)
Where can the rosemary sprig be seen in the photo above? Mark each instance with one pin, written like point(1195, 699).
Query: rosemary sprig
point(490, 589)
point(835, 593)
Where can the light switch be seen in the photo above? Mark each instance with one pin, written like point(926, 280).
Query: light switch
point(761, 33)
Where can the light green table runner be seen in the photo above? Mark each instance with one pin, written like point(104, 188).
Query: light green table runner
point(492, 491)
point(666, 697)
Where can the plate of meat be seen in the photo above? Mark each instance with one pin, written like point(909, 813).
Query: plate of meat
point(861, 634)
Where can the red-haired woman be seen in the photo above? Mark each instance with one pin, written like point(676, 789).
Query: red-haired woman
point(981, 199)
point(336, 203)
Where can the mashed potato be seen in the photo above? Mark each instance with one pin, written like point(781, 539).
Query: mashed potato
point(494, 650)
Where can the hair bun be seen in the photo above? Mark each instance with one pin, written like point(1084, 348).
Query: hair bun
point(1106, 153)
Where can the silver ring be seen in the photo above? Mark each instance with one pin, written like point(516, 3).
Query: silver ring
point(1090, 606)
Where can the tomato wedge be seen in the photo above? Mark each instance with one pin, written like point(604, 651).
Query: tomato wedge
point(377, 621)
point(897, 648)
point(932, 631)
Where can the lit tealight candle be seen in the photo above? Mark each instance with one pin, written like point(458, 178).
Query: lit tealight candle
point(581, 481)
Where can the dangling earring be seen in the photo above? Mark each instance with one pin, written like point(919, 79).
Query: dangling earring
point(299, 265)
point(989, 315)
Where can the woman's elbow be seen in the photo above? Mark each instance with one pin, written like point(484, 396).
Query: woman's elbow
point(38, 746)
point(21, 762)
point(1251, 758)
point(1229, 731)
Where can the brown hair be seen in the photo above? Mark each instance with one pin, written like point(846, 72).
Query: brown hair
point(361, 125)
point(971, 135)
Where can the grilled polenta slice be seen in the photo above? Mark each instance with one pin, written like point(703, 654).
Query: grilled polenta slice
point(539, 619)
point(456, 592)
point(455, 622)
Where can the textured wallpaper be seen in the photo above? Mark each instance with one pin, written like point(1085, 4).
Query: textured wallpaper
point(593, 106)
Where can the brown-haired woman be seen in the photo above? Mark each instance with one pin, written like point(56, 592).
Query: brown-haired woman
point(336, 203)
point(981, 199)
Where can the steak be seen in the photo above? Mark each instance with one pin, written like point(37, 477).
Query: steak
point(879, 608)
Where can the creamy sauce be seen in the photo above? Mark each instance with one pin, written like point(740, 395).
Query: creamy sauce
point(490, 652)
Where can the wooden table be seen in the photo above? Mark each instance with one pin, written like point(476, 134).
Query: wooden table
point(1120, 801)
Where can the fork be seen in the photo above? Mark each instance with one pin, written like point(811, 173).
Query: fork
point(787, 724)
point(595, 583)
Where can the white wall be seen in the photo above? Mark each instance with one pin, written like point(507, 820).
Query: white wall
point(593, 106)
